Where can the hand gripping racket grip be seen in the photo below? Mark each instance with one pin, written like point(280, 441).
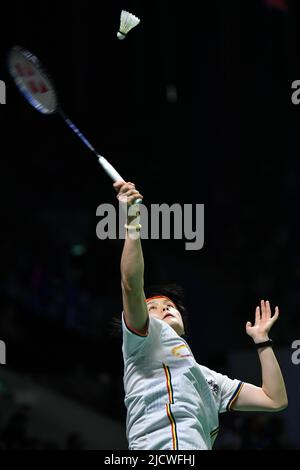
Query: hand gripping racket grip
point(115, 176)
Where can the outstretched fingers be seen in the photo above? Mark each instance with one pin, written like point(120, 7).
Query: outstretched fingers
point(276, 315)
point(268, 310)
point(263, 310)
point(257, 316)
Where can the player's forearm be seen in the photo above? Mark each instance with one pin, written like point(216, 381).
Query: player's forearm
point(132, 264)
point(272, 381)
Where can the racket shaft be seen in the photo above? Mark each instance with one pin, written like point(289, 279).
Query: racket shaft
point(79, 133)
point(108, 168)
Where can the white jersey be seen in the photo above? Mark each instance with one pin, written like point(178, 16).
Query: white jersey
point(172, 402)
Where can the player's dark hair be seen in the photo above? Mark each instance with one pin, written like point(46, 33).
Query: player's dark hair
point(174, 292)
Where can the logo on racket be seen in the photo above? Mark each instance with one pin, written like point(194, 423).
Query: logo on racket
point(2, 92)
point(34, 81)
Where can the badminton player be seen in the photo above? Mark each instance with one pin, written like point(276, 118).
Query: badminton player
point(173, 402)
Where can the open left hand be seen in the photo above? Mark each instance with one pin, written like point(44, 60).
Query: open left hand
point(263, 322)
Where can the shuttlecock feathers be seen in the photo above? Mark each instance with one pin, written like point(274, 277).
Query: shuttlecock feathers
point(127, 22)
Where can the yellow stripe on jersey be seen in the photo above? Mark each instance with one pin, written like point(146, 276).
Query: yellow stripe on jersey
point(173, 427)
point(168, 407)
point(169, 383)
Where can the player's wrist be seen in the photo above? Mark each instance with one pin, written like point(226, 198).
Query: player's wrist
point(261, 338)
point(133, 216)
point(264, 344)
point(132, 220)
point(136, 227)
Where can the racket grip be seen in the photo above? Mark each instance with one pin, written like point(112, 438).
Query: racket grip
point(112, 172)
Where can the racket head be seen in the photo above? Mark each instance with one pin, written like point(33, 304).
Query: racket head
point(32, 80)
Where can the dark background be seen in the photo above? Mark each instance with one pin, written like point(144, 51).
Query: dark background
point(227, 139)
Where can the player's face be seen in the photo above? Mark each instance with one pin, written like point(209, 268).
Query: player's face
point(164, 309)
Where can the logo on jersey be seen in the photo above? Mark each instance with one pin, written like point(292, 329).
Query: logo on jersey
point(213, 386)
point(181, 351)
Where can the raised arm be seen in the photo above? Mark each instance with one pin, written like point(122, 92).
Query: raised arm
point(132, 268)
point(271, 396)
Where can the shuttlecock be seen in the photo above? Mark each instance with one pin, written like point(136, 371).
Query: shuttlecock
point(127, 22)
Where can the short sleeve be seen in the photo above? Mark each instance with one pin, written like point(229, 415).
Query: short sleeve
point(133, 341)
point(230, 389)
point(226, 390)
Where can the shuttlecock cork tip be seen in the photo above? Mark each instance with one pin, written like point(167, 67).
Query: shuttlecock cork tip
point(121, 35)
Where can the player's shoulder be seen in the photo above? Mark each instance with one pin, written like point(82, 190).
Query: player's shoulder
point(207, 372)
point(204, 369)
point(155, 326)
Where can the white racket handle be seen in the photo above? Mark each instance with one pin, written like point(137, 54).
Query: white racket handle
point(112, 172)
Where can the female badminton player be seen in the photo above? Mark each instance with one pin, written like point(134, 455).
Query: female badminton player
point(173, 402)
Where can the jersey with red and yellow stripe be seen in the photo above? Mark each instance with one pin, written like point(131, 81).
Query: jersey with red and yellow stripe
point(172, 402)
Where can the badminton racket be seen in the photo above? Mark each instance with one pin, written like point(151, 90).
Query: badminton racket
point(38, 89)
